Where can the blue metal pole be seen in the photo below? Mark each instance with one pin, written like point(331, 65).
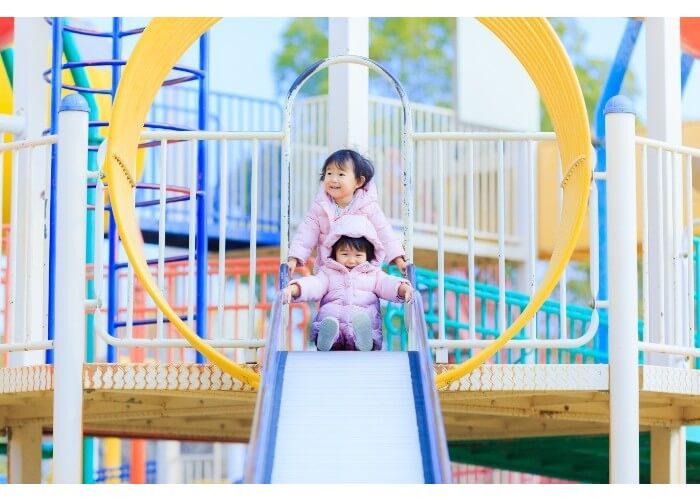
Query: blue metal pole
point(56, 62)
point(612, 87)
point(686, 66)
point(202, 236)
point(112, 273)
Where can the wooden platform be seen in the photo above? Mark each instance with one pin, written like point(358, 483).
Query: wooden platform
point(199, 402)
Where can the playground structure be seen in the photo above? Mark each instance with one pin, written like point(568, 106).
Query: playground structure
point(453, 404)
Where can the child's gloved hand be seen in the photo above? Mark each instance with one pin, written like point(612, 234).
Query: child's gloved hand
point(292, 265)
point(406, 292)
point(291, 292)
point(401, 264)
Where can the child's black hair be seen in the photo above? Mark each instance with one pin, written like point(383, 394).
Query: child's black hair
point(362, 167)
point(362, 244)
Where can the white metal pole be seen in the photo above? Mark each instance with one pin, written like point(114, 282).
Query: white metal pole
point(441, 354)
point(223, 217)
point(29, 246)
point(163, 194)
point(348, 107)
point(532, 231)
point(71, 192)
point(664, 118)
point(622, 261)
point(250, 355)
point(471, 241)
point(501, 225)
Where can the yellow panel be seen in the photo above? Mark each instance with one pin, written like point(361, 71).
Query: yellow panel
point(531, 40)
point(547, 205)
point(535, 44)
point(160, 46)
point(112, 456)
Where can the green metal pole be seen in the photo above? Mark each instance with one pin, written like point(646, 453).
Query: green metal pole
point(8, 58)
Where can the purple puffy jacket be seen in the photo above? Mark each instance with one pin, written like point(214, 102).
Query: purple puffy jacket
point(315, 227)
point(344, 292)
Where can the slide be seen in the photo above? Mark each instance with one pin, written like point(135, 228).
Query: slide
point(334, 402)
point(349, 417)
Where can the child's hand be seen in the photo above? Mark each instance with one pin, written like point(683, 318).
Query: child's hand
point(406, 292)
point(292, 265)
point(291, 292)
point(401, 264)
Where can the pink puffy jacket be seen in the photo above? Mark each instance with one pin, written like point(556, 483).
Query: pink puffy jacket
point(344, 292)
point(314, 229)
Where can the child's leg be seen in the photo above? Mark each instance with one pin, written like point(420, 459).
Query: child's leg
point(328, 333)
point(362, 329)
point(377, 339)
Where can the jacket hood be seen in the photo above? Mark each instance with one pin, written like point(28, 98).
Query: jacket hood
point(353, 226)
point(363, 196)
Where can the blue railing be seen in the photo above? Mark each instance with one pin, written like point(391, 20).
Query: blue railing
point(227, 112)
point(487, 302)
point(122, 473)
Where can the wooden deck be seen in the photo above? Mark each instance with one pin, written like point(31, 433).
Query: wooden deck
point(199, 402)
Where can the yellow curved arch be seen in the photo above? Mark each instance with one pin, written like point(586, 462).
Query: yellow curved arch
point(532, 41)
point(537, 47)
point(162, 43)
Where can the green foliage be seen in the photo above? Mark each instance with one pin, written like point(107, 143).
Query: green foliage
point(418, 51)
point(591, 71)
point(304, 42)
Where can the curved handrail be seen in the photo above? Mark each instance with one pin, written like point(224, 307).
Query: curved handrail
point(256, 467)
point(437, 440)
point(406, 146)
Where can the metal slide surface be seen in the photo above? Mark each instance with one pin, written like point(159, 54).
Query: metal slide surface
point(348, 417)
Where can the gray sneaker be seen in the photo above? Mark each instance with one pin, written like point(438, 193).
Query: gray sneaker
point(363, 332)
point(327, 334)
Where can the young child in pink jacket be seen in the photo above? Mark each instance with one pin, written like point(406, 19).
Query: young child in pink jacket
point(346, 189)
point(349, 284)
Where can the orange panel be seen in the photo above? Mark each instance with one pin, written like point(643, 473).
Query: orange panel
point(690, 35)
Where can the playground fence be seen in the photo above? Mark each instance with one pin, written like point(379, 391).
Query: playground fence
point(30, 166)
point(669, 258)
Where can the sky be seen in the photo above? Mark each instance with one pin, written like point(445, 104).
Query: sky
point(604, 35)
point(246, 67)
point(243, 50)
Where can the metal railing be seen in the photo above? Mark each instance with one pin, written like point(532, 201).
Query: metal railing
point(310, 148)
point(229, 325)
point(187, 193)
point(227, 112)
point(668, 263)
point(24, 325)
point(434, 427)
point(448, 144)
point(162, 193)
point(458, 322)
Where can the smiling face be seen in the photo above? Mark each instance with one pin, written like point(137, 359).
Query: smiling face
point(340, 182)
point(350, 257)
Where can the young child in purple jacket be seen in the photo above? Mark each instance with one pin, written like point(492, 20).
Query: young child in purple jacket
point(346, 189)
point(349, 284)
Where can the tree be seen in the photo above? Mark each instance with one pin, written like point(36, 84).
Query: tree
point(417, 51)
point(303, 42)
